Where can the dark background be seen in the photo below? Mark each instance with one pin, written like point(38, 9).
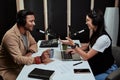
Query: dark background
point(79, 9)
point(37, 7)
point(7, 15)
point(57, 16)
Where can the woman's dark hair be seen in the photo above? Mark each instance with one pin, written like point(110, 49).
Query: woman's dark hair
point(98, 21)
point(21, 17)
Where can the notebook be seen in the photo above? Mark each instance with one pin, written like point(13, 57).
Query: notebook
point(70, 57)
point(41, 74)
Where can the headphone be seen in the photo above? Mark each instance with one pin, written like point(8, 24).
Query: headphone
point(94, 17)
point(21, 17)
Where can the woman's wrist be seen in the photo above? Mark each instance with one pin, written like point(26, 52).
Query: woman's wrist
point(74, 45)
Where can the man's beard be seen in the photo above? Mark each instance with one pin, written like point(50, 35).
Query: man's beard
point(26, 28)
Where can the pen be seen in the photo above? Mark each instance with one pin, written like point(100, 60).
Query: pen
point(77, 63)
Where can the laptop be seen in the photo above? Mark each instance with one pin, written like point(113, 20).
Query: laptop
point(70, 57)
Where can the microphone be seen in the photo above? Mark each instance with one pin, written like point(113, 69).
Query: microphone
point(79, 32)
point(41, 31)
point(44, 32)
point(48, 32)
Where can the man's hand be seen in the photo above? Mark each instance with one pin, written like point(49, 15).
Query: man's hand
point(45, 57)
point(28, 54)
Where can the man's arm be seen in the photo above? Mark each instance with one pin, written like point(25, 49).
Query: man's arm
point(12, 45)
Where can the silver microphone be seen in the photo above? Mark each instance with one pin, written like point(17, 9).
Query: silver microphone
point(46, 33)
point(79, 32)
point(42, 31)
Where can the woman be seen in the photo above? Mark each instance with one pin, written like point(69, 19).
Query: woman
point(99, 55)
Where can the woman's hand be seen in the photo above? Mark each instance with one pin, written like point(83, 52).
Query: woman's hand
point(70, 41)
point(65, 42)
point(71, 51)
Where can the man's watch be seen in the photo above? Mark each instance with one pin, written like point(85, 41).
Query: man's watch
point(74, 46)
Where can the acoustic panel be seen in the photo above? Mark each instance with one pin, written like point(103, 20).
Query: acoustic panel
point(57, 17)
point(37, 7)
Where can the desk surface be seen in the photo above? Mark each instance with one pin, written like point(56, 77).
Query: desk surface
point(63, 69)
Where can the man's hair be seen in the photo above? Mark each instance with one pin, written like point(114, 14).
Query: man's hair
point(21, 17)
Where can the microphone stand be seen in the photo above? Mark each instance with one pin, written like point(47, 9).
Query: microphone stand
point(49, 33)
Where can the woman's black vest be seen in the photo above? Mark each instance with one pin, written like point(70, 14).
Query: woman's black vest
point(102, 61)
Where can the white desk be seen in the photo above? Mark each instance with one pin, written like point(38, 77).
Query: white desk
point(63, 69)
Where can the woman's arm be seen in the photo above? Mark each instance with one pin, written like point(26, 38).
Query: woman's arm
point(85, 55)
point(100, 45)
point(84, 46)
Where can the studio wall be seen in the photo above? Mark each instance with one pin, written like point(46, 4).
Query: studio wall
point(37, 7)
point(7, 16)
point(57, 16)
point(79, 9)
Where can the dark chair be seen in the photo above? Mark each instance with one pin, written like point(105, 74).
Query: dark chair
point(115, 75)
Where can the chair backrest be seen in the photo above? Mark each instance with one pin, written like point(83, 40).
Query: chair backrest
point(115, 75)
point(116, 55)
